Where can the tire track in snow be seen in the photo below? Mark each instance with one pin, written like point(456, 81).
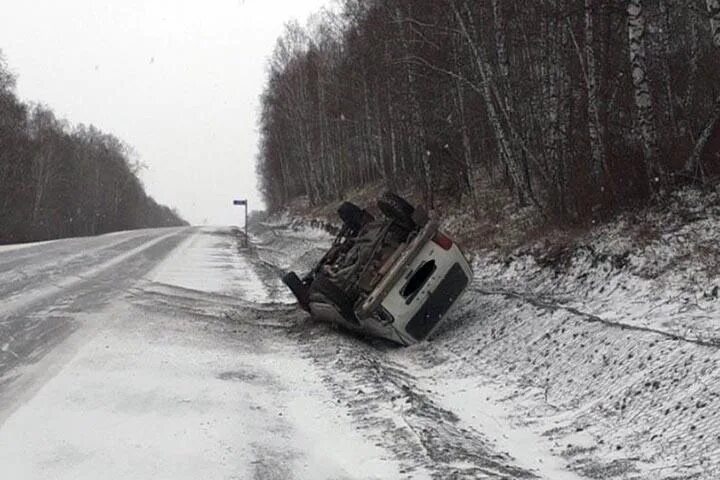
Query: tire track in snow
point(32, 271)
point(29, 298)
point(41, 254)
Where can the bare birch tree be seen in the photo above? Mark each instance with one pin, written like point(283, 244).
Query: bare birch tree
point(643, 97)
point(713, 8)
point(534, 95)
point(693, 166)
point(593, 102)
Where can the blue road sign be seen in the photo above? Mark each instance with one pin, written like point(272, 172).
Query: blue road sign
point(239, 202)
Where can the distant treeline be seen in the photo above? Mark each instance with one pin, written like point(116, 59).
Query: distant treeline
point(576, 107)
point(61, 181)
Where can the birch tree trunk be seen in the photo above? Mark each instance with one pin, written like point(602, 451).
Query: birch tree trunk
point(503, 64)
point(336, 147)
point(665, 30)
point(41, 167)
point(386, 170)
point(713, 7)
point(503, 143)
point(323, 152)
point(552, 92)
point(595, 129)
point(393, 176)
point(563, 115)
point(417, 140)
point(467, 150)
point(393, 143)
point(689, 122)
point(643, 97)
point(693, 166)
point(506, 98)
point(297, 116)
point(312, 181)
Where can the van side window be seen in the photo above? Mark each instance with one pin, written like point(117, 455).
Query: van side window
point(418, 280)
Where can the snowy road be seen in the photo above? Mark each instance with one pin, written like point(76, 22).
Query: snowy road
point(173, 354)
point(45, 286)
point(120, 360)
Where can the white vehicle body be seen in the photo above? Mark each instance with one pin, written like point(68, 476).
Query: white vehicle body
point(423, 281)
point(418, 311)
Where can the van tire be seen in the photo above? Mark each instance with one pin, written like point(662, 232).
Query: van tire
point(397, 209)
point(352, 215)
point(298, 288)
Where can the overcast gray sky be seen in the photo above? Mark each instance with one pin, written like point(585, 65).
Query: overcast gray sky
point(179, 80)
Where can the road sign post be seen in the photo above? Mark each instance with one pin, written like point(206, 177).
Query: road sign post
point(245, 204)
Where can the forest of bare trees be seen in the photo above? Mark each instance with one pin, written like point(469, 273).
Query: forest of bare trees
point(61, 181)
point(576, 107)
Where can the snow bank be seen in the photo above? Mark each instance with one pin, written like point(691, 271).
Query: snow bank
point(616, 338)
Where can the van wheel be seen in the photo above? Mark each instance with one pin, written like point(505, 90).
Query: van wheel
point(353, 216)
point(398, 209)
point(298, 288)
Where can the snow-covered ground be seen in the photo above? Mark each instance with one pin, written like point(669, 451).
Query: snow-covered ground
point(598, 359)
point(180, 354)
point(610, 346)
